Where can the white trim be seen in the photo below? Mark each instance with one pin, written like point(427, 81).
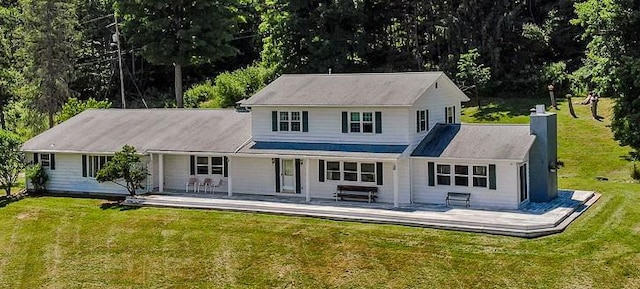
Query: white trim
point(229, 179)
point(395, 185)
point(307, 180)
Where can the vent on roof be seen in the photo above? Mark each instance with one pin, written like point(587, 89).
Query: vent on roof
point(436, 85)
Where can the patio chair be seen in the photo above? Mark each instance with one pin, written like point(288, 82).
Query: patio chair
point(205, 184)
point(216, 184)
point(193, 182)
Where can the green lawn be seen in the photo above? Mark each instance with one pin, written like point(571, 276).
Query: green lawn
point(70, 243)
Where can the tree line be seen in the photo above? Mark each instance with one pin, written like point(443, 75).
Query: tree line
point(222, 51)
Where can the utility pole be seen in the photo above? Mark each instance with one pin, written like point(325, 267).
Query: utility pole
point(117, 39)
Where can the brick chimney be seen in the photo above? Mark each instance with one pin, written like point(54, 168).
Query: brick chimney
point(543, 157)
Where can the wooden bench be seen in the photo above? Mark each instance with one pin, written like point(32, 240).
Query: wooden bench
point(462, 197)
point(359, 193)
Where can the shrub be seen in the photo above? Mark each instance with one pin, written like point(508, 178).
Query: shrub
point(38, 177)
point(198, 93)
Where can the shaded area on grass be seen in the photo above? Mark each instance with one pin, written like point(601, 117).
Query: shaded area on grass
point(117, 206)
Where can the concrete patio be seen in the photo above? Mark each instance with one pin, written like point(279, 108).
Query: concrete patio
point(533, 220)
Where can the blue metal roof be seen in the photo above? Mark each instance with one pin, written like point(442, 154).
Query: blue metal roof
point(355, 148)
point(476, 141)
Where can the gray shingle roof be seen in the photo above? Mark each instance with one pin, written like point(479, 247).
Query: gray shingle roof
point(360, 89)
point(181, 130)
point(476, 141)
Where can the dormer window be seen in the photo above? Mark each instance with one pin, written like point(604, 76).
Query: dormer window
point(294, 121)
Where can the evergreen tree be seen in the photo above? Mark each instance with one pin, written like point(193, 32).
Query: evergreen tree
point(50, 35)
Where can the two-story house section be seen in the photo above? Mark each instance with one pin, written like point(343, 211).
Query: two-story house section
point(397, 135)
point(347, 129)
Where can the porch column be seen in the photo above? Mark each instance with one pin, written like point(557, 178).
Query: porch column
point(151, 174)
point(160, 173)
point(307, 180)
point(395, 184)
point(229, 179)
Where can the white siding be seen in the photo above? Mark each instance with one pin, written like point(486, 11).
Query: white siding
point(325, 125)
point(257, 176)
point(505, 196)
point(404, 181)
point(67, 176)
point(177, 172)
point(435, 100)
point(253, 175)
point(326, 189)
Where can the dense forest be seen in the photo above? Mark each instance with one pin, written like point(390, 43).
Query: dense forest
point(156, 53)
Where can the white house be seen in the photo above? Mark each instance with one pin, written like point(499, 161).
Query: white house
point(306, 135)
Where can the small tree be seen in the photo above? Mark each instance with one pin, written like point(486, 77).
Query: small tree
point(125, 166)
point(472, 74)
point(11, 160)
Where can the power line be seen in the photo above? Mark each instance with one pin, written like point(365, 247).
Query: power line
point(97, 18)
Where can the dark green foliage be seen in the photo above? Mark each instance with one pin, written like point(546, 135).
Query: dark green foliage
point(180, 33)
point(229, 87)
point(125, 166)
point(51, 35)
point(11, 160)
point(199, 93)
point(75, 106)
point(37, 176)
point(472, 74)
point(613, 60)
point(8, 70)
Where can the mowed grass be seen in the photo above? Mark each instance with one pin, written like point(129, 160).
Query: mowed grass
point(48, 242)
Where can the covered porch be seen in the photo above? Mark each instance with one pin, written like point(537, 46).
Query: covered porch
point(283, 174)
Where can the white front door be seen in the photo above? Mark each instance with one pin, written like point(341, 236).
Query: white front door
point(288, 176)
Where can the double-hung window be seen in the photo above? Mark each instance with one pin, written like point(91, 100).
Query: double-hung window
point(209, 165)
point(202, 165)
point(333, 171)
point(449, 114)
point(350, 172)
point(368, 172)
point(284, 121)
point(361, 122)
point(422, 120)
point(443, 175)
point(461, 175)
point(96, 163)
point(480, 176)
point(289, 121)
point(45, 160)
point(217, 165)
